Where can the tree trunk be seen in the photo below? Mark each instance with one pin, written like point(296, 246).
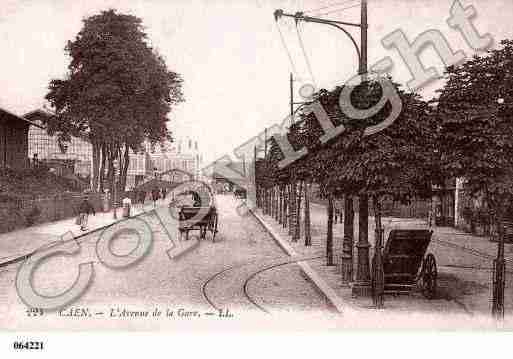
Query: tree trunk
point(292, 208)
point(96, 166)
point(271, 193)
point(363, 268)
point(264, 200)
point(499, 264)
point(308, 234)
point(110, 175)
point(275, 204)
point(276, 198)
point(269, 201)
point(297, 233)
point(378, 276)
point(329, 237)
point(117, 176)
point(103, 167)
point(266, 196)
point(124, 169)
point(348, 241)
point(280, 205)
point(285, 206)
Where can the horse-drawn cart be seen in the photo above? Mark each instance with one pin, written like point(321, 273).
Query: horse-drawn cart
point(406, 265)
point(202, 219)
point(240, 193)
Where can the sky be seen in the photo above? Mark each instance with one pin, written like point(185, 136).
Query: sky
point(230, 54)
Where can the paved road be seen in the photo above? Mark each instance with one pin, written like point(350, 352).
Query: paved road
point(464, 262)
point(174, 285)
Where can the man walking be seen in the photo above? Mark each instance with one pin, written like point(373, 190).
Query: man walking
point(85, 208)
point(155, 194)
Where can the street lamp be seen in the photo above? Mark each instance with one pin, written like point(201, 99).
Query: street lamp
point(499, 264)
point(361, 51)
point(362, 284)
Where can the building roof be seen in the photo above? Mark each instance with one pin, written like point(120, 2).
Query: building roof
point(12, 116)
point(37, 116)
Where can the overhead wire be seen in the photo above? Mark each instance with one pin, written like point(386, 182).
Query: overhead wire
point(284, 44)
point(329, 6)
point(308, 64)
point(339, 10)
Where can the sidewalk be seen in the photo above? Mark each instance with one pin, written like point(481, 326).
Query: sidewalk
point(464, 266)
point(17, 244)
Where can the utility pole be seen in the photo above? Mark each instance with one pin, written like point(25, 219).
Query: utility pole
point(363, 27)
point(291, 98)
point(361, 286)
point(244, 165)
point(292, 102)
point(499, 264)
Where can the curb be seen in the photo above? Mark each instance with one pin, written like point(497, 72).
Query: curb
point(319, 283)
point(28, 255)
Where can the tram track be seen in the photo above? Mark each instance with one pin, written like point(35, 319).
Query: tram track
point(471, 251)
point(242, 284)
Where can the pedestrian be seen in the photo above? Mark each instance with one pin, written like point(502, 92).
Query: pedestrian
point(85, 209)
point(142, 197)
point(127, 204)
point(155, 196)
point(164, 193)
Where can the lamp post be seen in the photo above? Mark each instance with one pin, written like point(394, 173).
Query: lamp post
point(499, 264)
point(362, 284)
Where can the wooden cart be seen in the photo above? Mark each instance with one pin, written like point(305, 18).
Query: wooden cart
point(240, 193)
point(202, 219)
point(406, 265)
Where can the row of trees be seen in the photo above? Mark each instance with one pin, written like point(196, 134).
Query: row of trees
point(465, 133)
point(116, 95)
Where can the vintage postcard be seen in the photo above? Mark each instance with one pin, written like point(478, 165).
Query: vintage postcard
point(261, 165)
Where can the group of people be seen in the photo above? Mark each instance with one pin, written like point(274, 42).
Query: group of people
point(85, 208)
point(156, 194)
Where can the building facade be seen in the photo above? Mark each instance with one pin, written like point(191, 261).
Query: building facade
point(183, 155)
point(46, 148)
point(13, 140)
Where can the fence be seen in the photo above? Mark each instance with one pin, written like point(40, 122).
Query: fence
point(416, 209)
point(23, 213)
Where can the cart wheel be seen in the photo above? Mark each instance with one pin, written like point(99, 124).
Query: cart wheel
point(428, 276)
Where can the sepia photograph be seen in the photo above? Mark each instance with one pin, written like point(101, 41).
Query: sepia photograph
point(263, 166)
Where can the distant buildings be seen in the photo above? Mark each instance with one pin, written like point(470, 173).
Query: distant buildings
point(13, 140)
point(78, 153)
point(182, 154)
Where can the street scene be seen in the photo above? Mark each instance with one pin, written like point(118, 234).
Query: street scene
point(262, 165)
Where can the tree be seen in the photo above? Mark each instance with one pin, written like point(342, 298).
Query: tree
point(476, 137)
point(117, 93)
point(398, 161)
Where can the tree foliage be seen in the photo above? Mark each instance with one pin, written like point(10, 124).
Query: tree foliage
point(118, 90)
point(475, 129)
